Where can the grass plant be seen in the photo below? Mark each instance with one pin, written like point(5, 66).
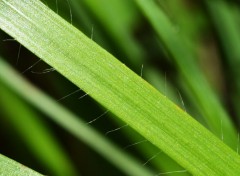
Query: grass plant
point(169, 129)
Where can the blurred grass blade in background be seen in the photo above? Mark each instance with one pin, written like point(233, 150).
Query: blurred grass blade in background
point(71, 122)
point(35, 133)
point(228, 32)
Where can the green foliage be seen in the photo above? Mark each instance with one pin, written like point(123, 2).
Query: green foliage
point(121, 91)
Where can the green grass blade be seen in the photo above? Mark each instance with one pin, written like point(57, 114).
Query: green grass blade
point(71, 122)
point(121, 31)
point(117, 25)
point(9, 167)
point(188, 20)
point(228, 31)
point(213, 112)
point(35, 134)
point(117, 88)
point(230, 40)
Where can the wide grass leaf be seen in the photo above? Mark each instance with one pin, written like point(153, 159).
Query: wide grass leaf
point(117, 88)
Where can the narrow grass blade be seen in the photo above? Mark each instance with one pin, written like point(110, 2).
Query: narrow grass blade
point(117, 25)
point(117, 88)
point(71, 122)
point(9, 167)
point(228, 32)
point(34, 132)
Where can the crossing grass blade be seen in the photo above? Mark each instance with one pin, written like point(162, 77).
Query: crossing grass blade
point(70, 122)
point(31, 129)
